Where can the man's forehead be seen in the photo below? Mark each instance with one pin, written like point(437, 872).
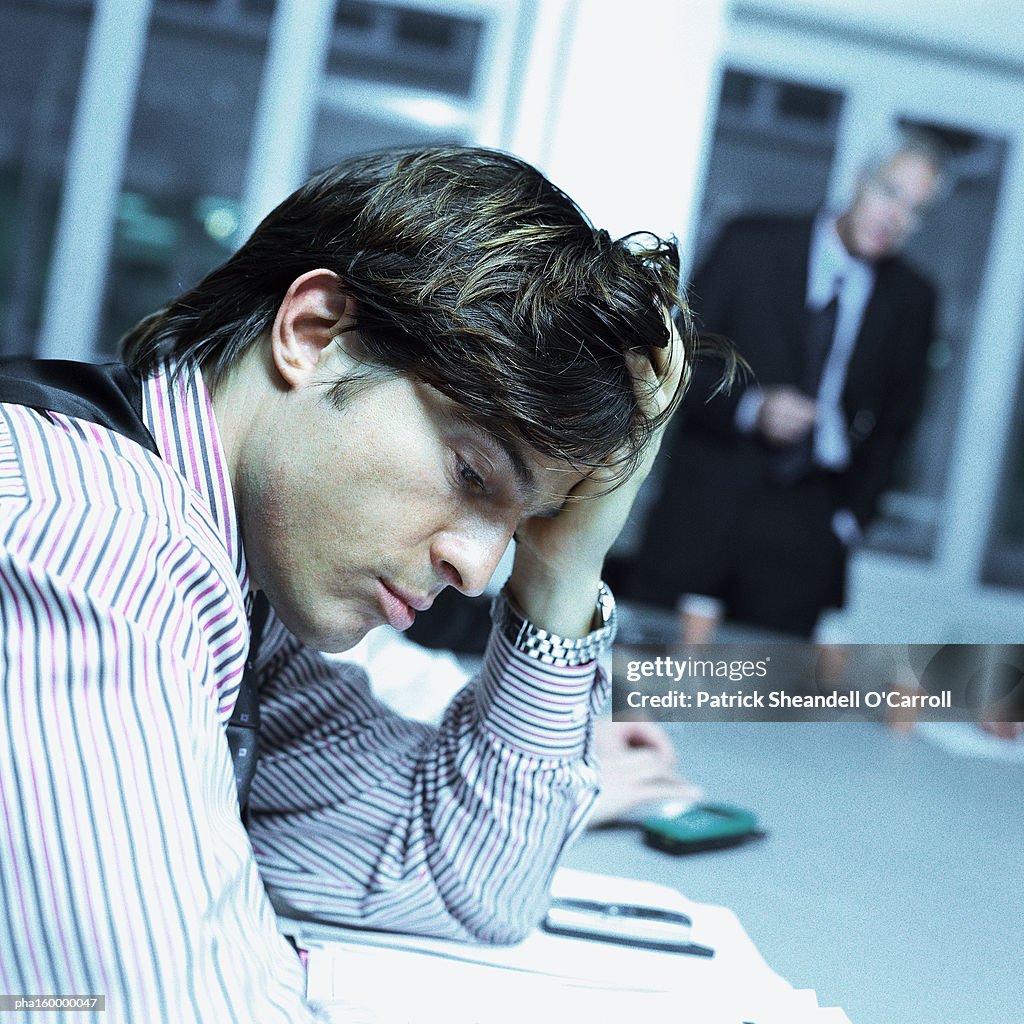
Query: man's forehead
point(908, 167)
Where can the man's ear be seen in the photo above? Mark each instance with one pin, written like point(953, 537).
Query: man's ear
point(314, 310)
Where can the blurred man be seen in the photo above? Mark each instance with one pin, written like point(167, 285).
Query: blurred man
point(416, 355)
point(769, 486)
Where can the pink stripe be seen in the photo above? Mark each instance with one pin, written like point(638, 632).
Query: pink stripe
point(153, 497)
point(161, 599)
point(29, 732)
point(197, 477)
point(223, 497)
point(129, 484)
point(129, 747)
point(68, 475)
point(517, 731)
point(66, 741)
point(90, 540)
point(24, 675)
point(227, 611)
point(9, 832)
point(162, 413)
point(121, 868)
point(195, 568)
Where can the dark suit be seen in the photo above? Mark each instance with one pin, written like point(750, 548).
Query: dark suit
point(721, 526)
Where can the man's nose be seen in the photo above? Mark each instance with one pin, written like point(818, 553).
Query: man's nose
point(904, 214)
point(902, 217)
point(466, 558)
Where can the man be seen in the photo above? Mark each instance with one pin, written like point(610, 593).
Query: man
point(415, 356)
point(768, 486)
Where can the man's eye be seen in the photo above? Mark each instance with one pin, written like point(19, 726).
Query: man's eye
point(471, 476)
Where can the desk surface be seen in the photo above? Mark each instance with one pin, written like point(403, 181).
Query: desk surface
point(892, 878)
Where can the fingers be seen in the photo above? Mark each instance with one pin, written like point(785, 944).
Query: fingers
point(628, 766)
point(1004, 730)
point(659, 374)
point(651, 736)
point(618, 797)
point(668, 788)
point(631, 738)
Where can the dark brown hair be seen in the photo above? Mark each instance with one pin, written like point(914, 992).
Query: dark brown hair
point(472, 273)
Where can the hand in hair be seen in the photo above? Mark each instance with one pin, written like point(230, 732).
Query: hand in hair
point(558, 563)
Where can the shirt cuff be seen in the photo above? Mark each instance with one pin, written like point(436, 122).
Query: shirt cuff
point(703, 605)
point(535, 708)
point(748, 408)
point(846, 527)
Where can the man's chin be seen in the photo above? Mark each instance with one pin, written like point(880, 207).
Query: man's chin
point(331, 636)
point(879, 248)
point(336, 639)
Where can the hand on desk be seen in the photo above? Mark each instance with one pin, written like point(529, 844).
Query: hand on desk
point(637, 763)
point(1004, 730)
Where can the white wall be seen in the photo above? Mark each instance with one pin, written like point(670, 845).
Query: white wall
point(616, 107)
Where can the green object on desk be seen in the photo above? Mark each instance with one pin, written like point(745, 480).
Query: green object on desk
point(701, 827)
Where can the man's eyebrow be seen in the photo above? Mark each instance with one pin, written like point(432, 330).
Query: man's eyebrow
point(523, 473)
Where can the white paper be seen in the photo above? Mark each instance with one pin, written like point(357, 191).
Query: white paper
point(377, 978)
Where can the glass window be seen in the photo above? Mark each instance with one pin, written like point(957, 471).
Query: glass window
point(184, 174)
point(772, 150)
point(397, 75)
point(1004, 562)
point(404, 45)
point(42, 47)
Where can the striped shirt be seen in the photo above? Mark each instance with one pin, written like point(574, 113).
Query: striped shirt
point(124, 867)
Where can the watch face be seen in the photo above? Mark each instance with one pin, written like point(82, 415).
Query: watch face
point(605, 614)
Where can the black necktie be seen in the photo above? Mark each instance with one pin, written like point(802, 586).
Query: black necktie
point(821, 330)
point(796, 460)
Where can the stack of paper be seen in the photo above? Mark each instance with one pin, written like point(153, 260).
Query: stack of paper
point(378, 978)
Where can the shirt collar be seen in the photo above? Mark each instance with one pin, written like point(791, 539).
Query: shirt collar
point(178, 410)
point(831, 264)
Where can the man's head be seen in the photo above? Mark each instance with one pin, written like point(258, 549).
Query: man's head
point(892, 194)
point(412, 353)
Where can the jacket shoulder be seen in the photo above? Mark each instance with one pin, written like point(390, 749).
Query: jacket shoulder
point(768, 227)
point(912, 282)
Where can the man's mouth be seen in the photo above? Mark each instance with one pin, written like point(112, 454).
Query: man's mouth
point(400, 607)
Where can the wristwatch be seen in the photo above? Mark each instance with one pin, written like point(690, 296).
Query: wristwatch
point(550, 648)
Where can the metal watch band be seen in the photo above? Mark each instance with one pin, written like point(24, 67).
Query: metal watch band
point(550, 648)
